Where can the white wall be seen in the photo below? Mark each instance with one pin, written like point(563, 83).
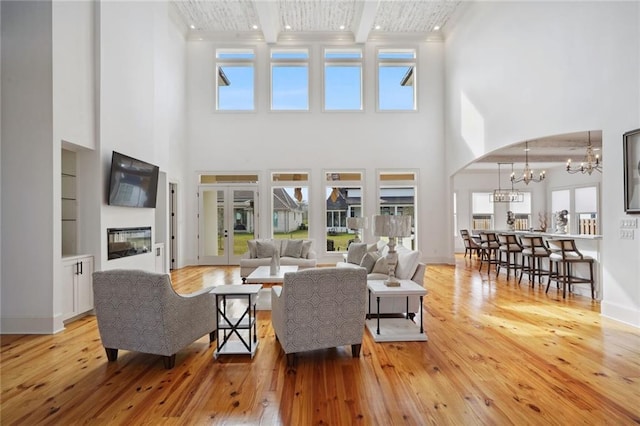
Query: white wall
point(27, 168)
point(74, 108)
point(313, 141)
point(142, 106)
point(523, 70)
point(67, 69)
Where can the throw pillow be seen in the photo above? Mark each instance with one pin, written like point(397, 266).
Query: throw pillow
point(381, 266)
point(369, 260)
point(293, 248)
point(306, 248)
point(264, 249)
point(407, 263)
point(356, 252)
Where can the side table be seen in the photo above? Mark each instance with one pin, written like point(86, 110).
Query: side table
point(240, 326)
point(385, 329)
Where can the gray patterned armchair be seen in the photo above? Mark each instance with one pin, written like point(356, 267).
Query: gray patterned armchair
point(320, 308)
point(140, 311)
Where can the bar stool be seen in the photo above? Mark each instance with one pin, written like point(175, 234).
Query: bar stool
point(564, 255)
point(470, 246)
point(534, 251)
point(488, 249)
point(508, 254)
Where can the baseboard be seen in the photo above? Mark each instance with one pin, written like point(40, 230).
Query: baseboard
point(440, 260)
point(46, 325)
point(620, 313)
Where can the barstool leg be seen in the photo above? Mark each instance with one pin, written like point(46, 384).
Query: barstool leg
point(552, 275)
point(565, 270)
point(593, 294)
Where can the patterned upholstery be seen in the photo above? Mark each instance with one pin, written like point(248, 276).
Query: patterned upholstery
point(140, 311)
point(320, 308)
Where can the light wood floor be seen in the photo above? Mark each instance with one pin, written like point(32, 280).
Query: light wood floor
point(498, 353)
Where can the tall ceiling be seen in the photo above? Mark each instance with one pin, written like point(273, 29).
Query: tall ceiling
point(281, 20)
point(359, 21)
point(543, 153)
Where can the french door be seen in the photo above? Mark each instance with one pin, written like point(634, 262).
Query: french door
point(227, 219)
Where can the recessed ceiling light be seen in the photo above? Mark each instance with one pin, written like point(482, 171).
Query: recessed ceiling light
point(342, 27)
point(436, 28)
point(377, 27)
point(193, 27)
point(287, 27)
point(255, 27)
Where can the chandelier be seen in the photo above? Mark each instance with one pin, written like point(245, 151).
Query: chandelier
point(591, 161)
point(506, 196)
point(527, 175)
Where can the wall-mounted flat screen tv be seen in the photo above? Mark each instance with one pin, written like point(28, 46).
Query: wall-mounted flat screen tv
point(133, 183)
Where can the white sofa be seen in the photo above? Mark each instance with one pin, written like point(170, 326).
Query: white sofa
point(408, 267)
point(292, 252)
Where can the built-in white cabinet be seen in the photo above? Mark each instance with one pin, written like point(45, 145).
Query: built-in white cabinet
point(77, 286)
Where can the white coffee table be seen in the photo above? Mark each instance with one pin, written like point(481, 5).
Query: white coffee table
point(394, 329)
point(262, 275)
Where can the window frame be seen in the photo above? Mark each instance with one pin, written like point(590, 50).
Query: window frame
point(342, 62)
point(577, 213)
point(397, 62)
point(523, 218)
point(492, 214)
point(328, 183)
point(401, 183)
point(573, 225)
point(235, 62)
point(290, 62)
point(292, 183)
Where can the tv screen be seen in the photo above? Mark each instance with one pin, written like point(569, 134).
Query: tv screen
point(133, 183)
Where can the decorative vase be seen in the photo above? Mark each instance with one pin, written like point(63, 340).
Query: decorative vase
point(274, 267)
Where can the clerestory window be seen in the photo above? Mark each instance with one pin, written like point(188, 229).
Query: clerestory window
point(342, 79)
point(289, 79)
point(396, 79)
point(235, 80)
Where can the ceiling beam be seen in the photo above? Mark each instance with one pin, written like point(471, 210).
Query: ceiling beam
point(269, 20)
point(367, 20)
point(520, 159)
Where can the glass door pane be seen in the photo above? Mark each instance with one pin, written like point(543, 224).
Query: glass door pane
point(227, 222)
point(211, 226)
point(242, 221)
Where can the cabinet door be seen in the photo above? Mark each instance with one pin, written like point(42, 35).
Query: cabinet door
point(84, 285)
point(67, 292)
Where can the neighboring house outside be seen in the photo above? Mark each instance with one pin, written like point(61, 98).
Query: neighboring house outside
point(288, 214)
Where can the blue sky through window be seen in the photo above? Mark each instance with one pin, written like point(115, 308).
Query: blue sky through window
point(342, 81)
point(391, 95)
point(342, 87)
point(238, 95)
point(289, 87)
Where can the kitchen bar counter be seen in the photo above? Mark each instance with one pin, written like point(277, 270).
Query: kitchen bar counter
point(588, 245)
point(558, 236)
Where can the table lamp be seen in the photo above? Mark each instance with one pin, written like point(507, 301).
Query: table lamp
point(356, 224)
point(392, 227)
